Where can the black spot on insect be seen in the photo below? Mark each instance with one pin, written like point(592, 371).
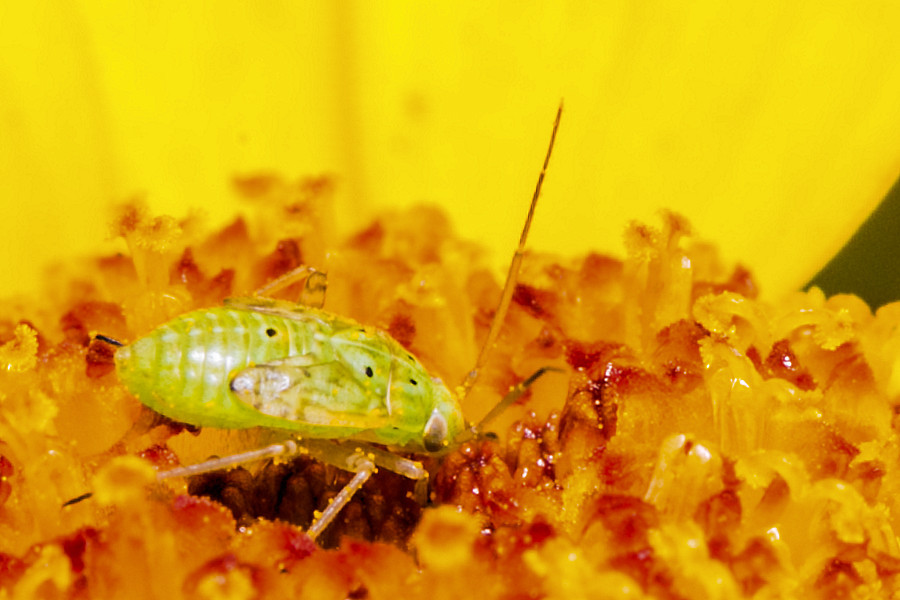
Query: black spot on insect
point(271, 332)
point(369, 372)
point(414, 382)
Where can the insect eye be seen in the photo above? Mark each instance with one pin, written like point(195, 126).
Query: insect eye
point(435, 434)
point(414, 382)
point(271, 332)
point(369, 372)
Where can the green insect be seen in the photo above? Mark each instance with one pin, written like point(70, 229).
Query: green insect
point(333, 386)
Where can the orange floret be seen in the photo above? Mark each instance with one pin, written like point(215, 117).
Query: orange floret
point(703, 441)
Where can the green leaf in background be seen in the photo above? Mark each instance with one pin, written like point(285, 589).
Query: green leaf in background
point(869, 265)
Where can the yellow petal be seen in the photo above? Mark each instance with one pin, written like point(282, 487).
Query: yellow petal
point(772, 126)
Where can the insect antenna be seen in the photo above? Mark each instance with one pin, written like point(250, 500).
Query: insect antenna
point(508, 400)
point(108, 340)
point(77, 499)
point(510, 285)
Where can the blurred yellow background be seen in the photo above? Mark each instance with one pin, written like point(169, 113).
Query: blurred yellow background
point(772, 126)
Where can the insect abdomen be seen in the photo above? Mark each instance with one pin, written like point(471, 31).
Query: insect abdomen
point(183, 368)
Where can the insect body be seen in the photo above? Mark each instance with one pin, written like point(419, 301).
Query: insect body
point(264, 363)
point(332, 385)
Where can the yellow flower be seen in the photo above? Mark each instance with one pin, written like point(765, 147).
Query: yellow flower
point(772, 126)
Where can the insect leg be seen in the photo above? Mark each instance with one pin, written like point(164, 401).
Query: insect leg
point(313, 289)
point(287, 448)
point(403, 466)
point(337, 453)
point(363, 467)
point(360, 459)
